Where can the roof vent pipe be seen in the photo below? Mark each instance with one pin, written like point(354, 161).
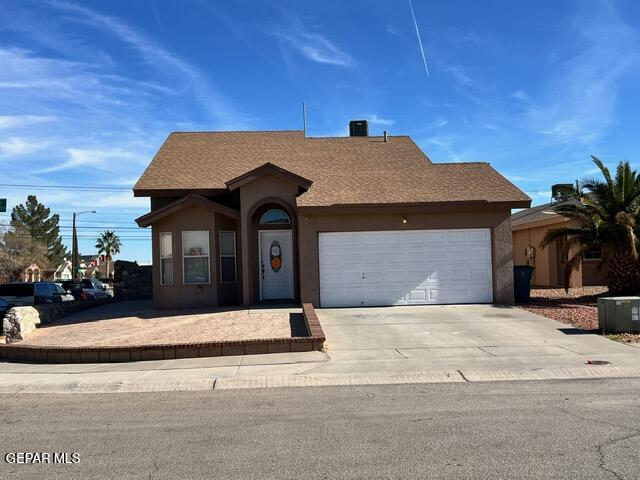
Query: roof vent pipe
point(385, 136)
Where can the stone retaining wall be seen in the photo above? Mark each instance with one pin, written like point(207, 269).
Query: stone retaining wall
point(132, 281)
point(19, 322)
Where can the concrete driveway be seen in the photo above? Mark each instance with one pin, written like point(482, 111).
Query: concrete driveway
point(423, 338)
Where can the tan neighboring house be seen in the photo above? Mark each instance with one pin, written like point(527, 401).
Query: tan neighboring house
point(529, 227)
point(241, 218)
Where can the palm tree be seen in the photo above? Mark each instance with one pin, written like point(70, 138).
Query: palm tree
point(108, 244)
point(606, 217)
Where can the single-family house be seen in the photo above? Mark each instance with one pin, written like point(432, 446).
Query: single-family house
point(63, 271)
point(276, 216)
point(95, 266)
point(33, 273)
point(530, 226)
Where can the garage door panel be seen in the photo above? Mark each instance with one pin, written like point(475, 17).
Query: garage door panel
point(405, 267)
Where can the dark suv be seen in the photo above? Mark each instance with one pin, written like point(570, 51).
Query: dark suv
point(20, 294)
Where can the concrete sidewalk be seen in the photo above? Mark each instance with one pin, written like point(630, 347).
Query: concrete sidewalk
point(367, 346)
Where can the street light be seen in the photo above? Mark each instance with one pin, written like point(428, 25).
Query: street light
point(74, 244)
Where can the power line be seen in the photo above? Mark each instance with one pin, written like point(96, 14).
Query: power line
point(69, 235)
point(100, 212)
point(64, 187)
point(89, 227)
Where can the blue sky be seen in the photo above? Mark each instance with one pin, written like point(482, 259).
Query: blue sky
point(89, 90)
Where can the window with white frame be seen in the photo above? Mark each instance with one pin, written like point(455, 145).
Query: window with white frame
point(166, 259)
point(195, 256)
point(227, 256)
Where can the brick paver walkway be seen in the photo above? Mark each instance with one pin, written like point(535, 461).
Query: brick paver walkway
point(136, 323)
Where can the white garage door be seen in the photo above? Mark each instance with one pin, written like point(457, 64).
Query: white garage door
point(408, 267)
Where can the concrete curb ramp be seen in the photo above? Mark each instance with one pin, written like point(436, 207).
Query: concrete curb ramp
point(451, 376)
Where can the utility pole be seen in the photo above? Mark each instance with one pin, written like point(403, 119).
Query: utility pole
point(74, 249)
point(74, 245)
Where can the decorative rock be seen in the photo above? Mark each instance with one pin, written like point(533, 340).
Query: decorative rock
point(19, 322)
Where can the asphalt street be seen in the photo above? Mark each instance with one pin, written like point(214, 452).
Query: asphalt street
point(550, 429)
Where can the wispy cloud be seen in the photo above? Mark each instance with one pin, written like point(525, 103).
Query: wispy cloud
point(311, 45)
point(78, 157)
point(16, 121)
point(375, 119)
point(541, 194)
point(446, 150)
point(16, 146)
point(392, 30)
point(415, 24)
point(583, 92)
point(439, 123)
point(159, 59)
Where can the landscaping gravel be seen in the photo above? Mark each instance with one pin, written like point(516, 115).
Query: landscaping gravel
point(578, 307)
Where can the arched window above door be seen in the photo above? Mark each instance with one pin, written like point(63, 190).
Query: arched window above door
point(275, 216)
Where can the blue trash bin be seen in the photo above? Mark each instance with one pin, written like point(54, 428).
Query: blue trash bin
point(522, 282)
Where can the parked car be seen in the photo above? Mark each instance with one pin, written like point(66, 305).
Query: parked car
point(86, 289)
point(19, 294)
point(4, 307)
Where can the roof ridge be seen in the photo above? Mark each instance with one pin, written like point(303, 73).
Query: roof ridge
point(236, 131)
point(461, 163)
point(530, 211)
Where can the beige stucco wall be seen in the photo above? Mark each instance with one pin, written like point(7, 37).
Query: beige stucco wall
point(546, 273)
point(371, 219)
point(179, 295)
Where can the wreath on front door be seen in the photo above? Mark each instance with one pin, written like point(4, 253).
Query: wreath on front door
point(275, 256)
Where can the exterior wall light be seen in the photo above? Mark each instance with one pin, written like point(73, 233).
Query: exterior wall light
point(404, 219)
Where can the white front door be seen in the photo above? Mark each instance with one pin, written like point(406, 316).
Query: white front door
point(405, 267)
point(276, 264)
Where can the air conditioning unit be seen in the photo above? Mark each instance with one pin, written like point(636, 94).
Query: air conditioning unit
point(619, 314)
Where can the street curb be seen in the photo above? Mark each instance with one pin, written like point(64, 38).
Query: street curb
point(447, 376)
point(303, 380)
point(125, 386)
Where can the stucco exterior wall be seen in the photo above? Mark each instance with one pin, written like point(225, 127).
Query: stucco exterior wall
point(386, 218)
point(547, 272)
point(179, 295)
point(265, 189)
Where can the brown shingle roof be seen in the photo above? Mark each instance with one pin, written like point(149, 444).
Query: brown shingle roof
point(540, 212)
point(344, 170)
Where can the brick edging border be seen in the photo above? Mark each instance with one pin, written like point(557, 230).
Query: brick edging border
point(133, 353)
point(311, 320)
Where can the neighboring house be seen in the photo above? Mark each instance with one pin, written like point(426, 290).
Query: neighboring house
point(529, 227)
point(33, 273)
point(63, 272)
point(95, 266)
point(249, 217)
